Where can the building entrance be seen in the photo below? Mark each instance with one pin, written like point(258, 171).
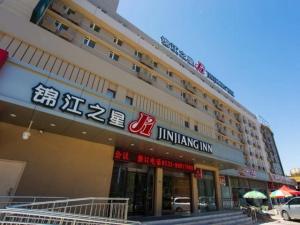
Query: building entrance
point(176, 192)
point(134, 181)
point(207, 192)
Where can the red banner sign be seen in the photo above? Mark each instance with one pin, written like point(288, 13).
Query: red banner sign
point(121, 155)
point(222, 180)
point(198, 173)
point(3, 57)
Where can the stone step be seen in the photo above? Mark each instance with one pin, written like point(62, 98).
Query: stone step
point(218, 221)
point(244, 221)
point(210, 218)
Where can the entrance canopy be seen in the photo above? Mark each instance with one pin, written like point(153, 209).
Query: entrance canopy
point(280, 194)
point(290, 190)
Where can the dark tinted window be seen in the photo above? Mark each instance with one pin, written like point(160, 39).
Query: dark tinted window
point(295, 201)
point(182, 200)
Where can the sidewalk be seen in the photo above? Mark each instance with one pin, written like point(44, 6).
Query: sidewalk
point(276, 219)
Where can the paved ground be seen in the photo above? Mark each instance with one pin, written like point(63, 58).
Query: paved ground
point(277, 220)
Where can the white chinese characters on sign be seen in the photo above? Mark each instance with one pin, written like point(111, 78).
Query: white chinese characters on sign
point(98, 112)
point(46, 96)
point(116, 118)
point(71, 104)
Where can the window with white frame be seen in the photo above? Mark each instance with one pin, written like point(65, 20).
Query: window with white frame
point(60, 26)
point(170, 87)
point(114, 56)
point(118, 41)
point(95, 27)
point(169, 73)
point(138, 54)
point(68, 10)
point(88, 42)
point(136, 68)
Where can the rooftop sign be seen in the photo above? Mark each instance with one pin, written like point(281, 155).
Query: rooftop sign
point(198, 66)
point(176, 50)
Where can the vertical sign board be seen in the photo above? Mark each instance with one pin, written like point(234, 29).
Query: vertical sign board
point(222, 180)
point(3, 57)
point(198, 173)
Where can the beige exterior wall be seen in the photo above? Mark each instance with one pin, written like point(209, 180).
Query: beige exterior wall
point(92, 69)
point(58, 165)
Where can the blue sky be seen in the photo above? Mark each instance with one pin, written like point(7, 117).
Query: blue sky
point(252, 46)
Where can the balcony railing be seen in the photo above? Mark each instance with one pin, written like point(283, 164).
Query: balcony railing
point(190, 100)
point(189, 87)
point(219, 117)
point(66, 12)
point(221, 129)
point(237, 117)
point(145, 76)
point(147, 61)
point(218, 105)
point(61, 30)
point(242, 140)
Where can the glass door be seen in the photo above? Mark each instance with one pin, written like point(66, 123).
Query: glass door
point(207, 192)
point(176, 192)
point(135, 184)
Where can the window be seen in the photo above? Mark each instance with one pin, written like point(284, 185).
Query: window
point(196, 128)
point(155, 64)
point(170, 87)
point(88, 42)
point(111, 93)
point(68, 11)
point(136, 68)
point(59, 26)
point(129, 100)
point(154, 78)
point(170, 73)
point(138, 54)
point(186, 124)
point(118, 41)
point(113, 56)
point(205, 107)
point(295, 201)
point(94, 27)
point(204, 95)
point(183, 200)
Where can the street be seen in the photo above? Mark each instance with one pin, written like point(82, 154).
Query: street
point(279, 221)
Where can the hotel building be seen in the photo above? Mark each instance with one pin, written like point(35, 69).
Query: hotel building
point(92, 106)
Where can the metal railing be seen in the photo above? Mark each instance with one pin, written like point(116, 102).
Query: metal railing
point(47, 210)
point(95, 207)
point(41, 217)
point(7, 201)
